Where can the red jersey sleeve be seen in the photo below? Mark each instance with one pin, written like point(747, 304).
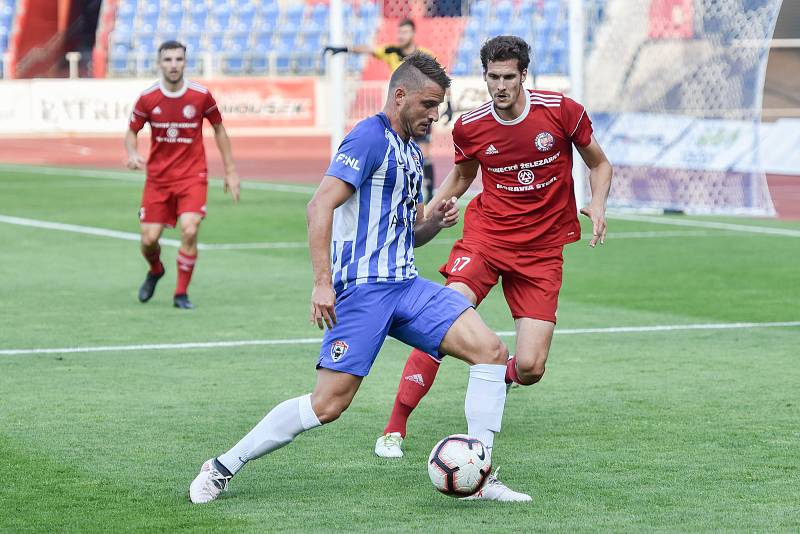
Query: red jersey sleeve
point(463, 152)
point(576, 122)
point(211, 111)
point(139, 115)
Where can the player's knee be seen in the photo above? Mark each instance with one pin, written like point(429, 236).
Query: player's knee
point(189, 233)
point(329, 409)
point(530, 371)
point(494, 351)
point(149, 240)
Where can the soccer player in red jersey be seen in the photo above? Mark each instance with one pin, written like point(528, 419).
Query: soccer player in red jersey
point(177, 176)
point(517, 227)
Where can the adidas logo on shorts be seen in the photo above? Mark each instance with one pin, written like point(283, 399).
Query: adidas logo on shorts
point(491, 151)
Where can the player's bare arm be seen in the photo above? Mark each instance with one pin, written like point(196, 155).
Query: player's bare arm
point(231, 181)
point(600, 172)
point(457, 182)
point(441, 215)
point(330, 194)
point(135, 161)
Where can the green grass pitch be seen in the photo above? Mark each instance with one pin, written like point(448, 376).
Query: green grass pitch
point(669, 431)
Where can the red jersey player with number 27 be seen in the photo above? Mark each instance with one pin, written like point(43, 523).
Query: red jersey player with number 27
point(177, 177)
point(517, 227)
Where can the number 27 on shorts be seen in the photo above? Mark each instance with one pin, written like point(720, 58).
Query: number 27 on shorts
point(460, 263)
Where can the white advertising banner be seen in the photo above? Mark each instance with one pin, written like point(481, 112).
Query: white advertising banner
point(712, 145)
point(638, 139)
point(15, 107)
point(778, 151)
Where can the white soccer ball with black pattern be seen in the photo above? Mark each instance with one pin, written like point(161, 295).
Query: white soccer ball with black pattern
point(458, 465)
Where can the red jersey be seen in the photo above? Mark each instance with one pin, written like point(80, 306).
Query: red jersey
point(176, 124)
point(528, 196)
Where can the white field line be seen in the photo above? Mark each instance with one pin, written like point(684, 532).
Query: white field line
point(133, 176)
point(131, 236)
point(311, 341)
point(138, 177)
point(694, 223)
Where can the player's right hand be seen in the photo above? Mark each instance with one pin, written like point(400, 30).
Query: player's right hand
point(323, 300)
point(135, 162)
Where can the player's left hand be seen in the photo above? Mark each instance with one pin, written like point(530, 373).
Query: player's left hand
point(445, 214)
point(231, 183)
point(598, 216)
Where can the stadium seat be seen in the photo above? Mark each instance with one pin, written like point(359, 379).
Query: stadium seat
point(495, 28)
point(174, 11)
point(319, 14)
point(150, 8)
point(480, 10)
point(526, 10)
point(264, 39)
point(170, 26)
point(234, 59)
point(294, 14)
point(503, 11)
point(219, 21)
point(259, 59)
point(192, 42)
point(216, 41)
point(521, 28)
point(312, 39)
point(368, 11)
point(240, 40)
point(287, 37)
point(460, 69)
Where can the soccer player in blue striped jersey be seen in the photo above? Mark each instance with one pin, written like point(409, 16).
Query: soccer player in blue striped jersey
point(363, 225)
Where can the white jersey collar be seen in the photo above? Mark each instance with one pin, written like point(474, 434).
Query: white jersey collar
point(174, 94)
point(521, 115)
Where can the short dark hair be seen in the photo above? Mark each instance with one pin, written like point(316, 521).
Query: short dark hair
point(505, 47)
point(416, 68)
point(408, 22)
point(171, 45)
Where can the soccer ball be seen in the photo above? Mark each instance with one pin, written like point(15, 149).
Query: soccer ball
point(458, 465)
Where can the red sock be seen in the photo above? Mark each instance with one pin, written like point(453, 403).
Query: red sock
point(154, 259)
point(511, 370)
point(418, 376)
point(185, 268)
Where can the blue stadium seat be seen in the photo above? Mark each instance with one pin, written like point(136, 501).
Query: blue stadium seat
point(480, 9)
point(526, 10)
point(521, 28)
point(120, 36)
point(264, 39)
point(174, 10)
point(198, 9)
point(294, 14)
point(503, 11)
point(146, 44)
point(319, 14)
point(150, 19)
point(198, 19)
point(368, 11)
point(240, 40)
point(460, 69)
point(150, 7)
point(283, 61)
point(221, 7)
point(119, 63)
point(192, 42)
point(495, 28)
point(171, 26)
point(259, 58)
point(219, 21)
point(234, 60)
point(216, 41)
point(287, 37)
point(312, 39)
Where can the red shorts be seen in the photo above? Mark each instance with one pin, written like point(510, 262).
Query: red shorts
point(531, 278)
point(164, 203)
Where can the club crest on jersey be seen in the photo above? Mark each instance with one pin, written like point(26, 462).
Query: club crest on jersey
point(189, 112)
point(338, 350)
point(172, 132)
point(525, 177)
point(544, 141)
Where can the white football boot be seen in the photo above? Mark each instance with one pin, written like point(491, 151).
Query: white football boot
point(208, 484)
point(389, 446)
point(494, 490)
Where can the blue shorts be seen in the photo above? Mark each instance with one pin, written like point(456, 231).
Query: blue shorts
point(417, 312)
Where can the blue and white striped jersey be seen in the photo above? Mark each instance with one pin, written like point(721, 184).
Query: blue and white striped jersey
point(373, 232)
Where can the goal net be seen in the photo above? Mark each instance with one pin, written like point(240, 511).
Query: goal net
point(675, 90)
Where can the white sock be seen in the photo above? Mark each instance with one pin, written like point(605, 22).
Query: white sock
point(278, 428)
point(486, 398)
